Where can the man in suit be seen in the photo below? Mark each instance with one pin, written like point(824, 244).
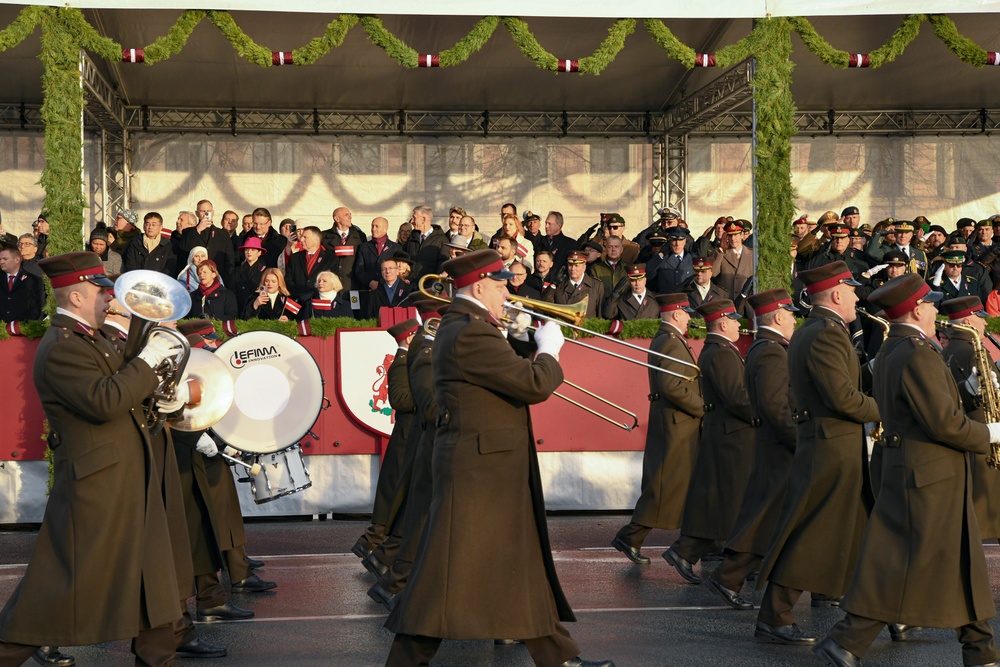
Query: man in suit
point(304, 266)
point(370, 253)
point(150, 251)
point(675, 410)
point(954, 281)
point(732, 265)
point(637, 303)
point(766, 381)
point(676, 269)
point(556, 242)
point(390, 291)
point(106, 556)
point(722, 468)
point(578, 285)
point(923, 526)
point(213, 238)
point(517, 284)
point(426, 244)
point(270, 239)
point(824, 512)
point(343, 239)
point(701, 289)
point(483, 388)
point(22, 294)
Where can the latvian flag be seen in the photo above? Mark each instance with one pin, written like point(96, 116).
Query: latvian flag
point(521, 250)
point(322, 304)
point(14, 328)
point(292, 306)
point(165, 233)
point(305, 329)
point(229, 326)
point(343, 251)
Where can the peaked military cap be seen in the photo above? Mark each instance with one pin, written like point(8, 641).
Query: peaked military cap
point(474, 266)
point(770, 301)
point(72, 268)
point(401, 330)
point(962, 307)
point(901, 295)
point(827, 277)
point(676, 301)
point(717, 309)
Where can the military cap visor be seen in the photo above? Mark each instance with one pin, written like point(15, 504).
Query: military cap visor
point(403, 330)
point(953, 257)
point(717, 309)
point(770, 301)
point(962, 307)
point(827, 277)
point(674, 301)
point(901, 295)
point(73, 268)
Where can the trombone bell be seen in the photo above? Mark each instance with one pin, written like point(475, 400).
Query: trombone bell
point(573, 313)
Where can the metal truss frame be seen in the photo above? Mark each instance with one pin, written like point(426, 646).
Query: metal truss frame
point(105, 111)
point(961, 122)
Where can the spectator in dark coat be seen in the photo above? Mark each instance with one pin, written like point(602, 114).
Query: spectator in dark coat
point(213, 238)
point(211, 300)
point(303, 267)
point(272, 242)
point(343, 239)
point(425, 244)
point(248, 275)
point(150, 250)
point(27, 244)
point(273, 301)
point(22, 294)
point(370, 253)
point(390, 291)
point(556, 242)
point(327, 299)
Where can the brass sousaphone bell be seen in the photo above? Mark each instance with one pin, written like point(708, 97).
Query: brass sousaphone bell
point(151, 297)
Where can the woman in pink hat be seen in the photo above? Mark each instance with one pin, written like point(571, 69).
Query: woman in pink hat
point(248, 275)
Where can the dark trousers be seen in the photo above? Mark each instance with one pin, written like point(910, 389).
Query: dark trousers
point(387, 551)
point(183, 628)
point(692, 549)
point(210, 591)
point(633, 534)
point(152, 648)
point(394, 580)
point(417, 651)
point(735, 568)
point(236, 563)
point(373, 536)
point(776, 606)
point(856, 634)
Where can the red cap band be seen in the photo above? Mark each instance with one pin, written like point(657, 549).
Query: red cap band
point(771, 307)
point(828, 283)
point(670, 307)
point(476, 276)
point(403, 335)
point(962, 314)
point(722, 313)
point(909, 304)
point(76, 277)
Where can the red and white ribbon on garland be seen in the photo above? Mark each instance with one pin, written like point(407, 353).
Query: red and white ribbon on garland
point(704, 60)
point(428, 60)
point(281, 58)
point(859, 60)
point(993, 58)
point(569, 66)
point(133, 55)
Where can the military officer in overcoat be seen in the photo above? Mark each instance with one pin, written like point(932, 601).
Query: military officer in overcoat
point(385, 508)
point(766, 379)
point(825, 508)
point(104, 557)
point(959, 355)
point(675, 410)
point(578, 285)
point(722, 468)
point(466, 582)
point(923, 527)
point(637, 303)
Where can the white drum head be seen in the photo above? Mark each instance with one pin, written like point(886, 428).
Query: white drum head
point(278, 392)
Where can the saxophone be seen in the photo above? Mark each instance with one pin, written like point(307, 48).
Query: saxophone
point(988, 394)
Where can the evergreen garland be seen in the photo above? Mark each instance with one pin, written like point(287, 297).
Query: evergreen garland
point(675, 49)
point(963, 47)
point(609, 48)
point(19, 29)
point(244, 45)
point(888, 52)
point(175, 39)
point(528, 45)
point(471, 43)
point(331, 38)
point(393, 46)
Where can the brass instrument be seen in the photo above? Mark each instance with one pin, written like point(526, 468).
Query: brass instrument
point(876, 432)
point(702, 327)
point(573, 312)
point(151, 297)
point(989, 396)
point(568, 315)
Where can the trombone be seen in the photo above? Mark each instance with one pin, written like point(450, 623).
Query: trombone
point(569, 315)
point(743, 332)
point(431, 327)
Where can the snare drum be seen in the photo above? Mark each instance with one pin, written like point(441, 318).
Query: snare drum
point(278, 392)
point(281, 474)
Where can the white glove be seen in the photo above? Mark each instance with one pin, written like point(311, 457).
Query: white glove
point(937, 276)
point(206, 445)
point(518, 326)
point(994, 432)
point(232, 451)
point(159, 347)
point(972, 382)
point(182, 395)
point(875, 269)
point(549, 339)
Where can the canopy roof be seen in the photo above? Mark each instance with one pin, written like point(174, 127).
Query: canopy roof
point(360, 76)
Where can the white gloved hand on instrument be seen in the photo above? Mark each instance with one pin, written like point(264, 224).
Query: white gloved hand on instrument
point(182, 395)
point(158, 348)
point(549, 339)
point(994, 433)
point(972, 383)
point(517, 327)
point(232, 451)
point(206, 446)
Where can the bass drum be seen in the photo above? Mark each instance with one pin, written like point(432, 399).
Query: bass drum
point(278, 392)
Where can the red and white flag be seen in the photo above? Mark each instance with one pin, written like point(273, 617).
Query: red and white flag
point(322, 304)
point(292, 306)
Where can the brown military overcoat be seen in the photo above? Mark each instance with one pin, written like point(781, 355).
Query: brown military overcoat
point(675, 411)
point(387, 503)
point(825, 508)
point(725, 455)
point(922, 562)
point(766, 377)
point(985, 481)
point(101, 569)
point(484, 567)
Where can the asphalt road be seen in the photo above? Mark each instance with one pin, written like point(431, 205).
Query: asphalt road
point(639, 616)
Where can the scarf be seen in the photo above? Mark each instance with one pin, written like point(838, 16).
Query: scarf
point(210, 290)
point(380, 243)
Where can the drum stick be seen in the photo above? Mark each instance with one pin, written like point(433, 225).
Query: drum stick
point(254, 469)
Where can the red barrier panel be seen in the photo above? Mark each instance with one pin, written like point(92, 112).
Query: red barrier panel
point(558, 425)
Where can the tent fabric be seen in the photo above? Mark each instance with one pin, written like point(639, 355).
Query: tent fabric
point(626, 8)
